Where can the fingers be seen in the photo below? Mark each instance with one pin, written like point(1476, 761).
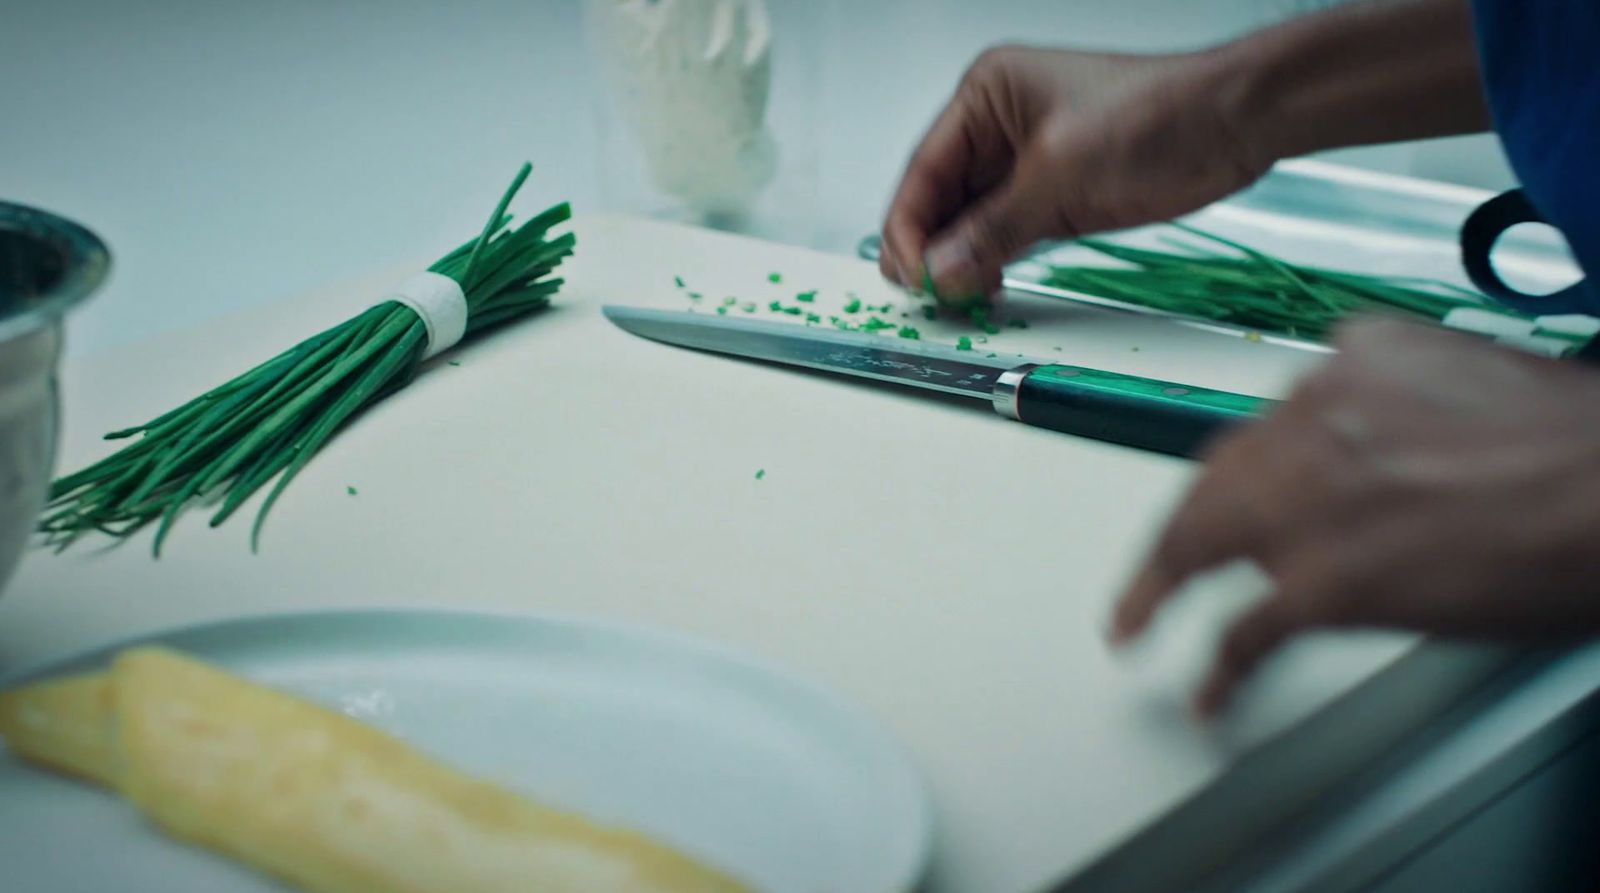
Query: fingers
point(1257, 633)
point(929, 192)
point(968, 256)
point(1220, 520)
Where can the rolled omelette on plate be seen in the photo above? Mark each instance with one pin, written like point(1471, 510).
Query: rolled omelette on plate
point(314, 797)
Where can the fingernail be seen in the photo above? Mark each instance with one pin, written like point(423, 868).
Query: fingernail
point(906, 282)
point(953, 269)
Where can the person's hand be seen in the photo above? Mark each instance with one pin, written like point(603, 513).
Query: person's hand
point(1040, 144)
point(1421, 480)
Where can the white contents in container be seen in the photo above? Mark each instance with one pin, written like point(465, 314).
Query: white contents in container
point(690, 79)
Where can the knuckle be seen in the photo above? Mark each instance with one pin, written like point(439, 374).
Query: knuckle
point(995, 235)
point(1325, 590)
point(994, 58)
point(991, 68)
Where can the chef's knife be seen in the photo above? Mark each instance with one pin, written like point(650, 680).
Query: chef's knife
point(1160, 416)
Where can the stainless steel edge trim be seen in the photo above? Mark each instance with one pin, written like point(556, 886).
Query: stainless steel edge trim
point(1007, 388)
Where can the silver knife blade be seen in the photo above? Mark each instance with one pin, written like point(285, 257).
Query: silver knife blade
point(881, 357)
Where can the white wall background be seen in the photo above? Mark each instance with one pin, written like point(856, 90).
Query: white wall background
point(233, 152)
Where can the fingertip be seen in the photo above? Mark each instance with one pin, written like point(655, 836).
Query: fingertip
point(1213, 697)
point(951, 272)
point(888, 267)
point(902, 246)
point(1138, 603)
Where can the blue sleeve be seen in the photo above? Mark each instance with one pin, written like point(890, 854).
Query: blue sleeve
point(1541, 67)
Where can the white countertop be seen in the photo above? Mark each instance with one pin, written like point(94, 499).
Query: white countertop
point(948, 569)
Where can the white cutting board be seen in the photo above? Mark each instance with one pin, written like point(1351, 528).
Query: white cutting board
point(947, 569)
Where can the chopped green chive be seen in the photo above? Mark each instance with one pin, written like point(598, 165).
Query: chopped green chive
point(806, 297)
point(775, 306)
point(678, 281)
point(812, 317)
point(963, 343)
point(762, 472)
point(749, 308)
point(452, 362)
point(980, 318)
point(793, 311)
point(853, 306)
point(774, 278)
point(722, 310)
point(910, 333)
point(350, 490)
point(695, 296)
point(729, 302)
point(930, 312)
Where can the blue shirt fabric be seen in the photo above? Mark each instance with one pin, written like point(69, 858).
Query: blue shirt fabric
point(1541, 68)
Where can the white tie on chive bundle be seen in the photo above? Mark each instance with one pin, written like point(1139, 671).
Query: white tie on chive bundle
point(270, 421)
point(440, 303)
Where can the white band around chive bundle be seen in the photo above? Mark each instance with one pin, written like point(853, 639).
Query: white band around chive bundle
point(441, 305)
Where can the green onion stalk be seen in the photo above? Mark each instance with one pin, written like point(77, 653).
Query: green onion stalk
point(1236, 284)
point(267, 424)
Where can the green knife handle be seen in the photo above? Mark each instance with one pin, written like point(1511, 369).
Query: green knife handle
point(1160, 416)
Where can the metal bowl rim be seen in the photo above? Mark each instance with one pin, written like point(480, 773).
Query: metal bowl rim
point(88, 261)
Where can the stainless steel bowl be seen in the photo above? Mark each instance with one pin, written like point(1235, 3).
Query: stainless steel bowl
point(47, 265)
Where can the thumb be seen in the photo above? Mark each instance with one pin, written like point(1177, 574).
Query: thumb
point(964, 261)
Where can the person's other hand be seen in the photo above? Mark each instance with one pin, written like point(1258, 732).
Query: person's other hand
point(1040, 144)
point(1421, 480)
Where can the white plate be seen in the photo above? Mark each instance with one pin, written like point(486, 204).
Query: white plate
point(763, 775)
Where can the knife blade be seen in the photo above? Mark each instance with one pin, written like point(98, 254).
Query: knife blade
point(1144, 413)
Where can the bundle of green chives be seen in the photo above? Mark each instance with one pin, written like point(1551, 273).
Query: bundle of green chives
point(269, 422)
point(1240, 285)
